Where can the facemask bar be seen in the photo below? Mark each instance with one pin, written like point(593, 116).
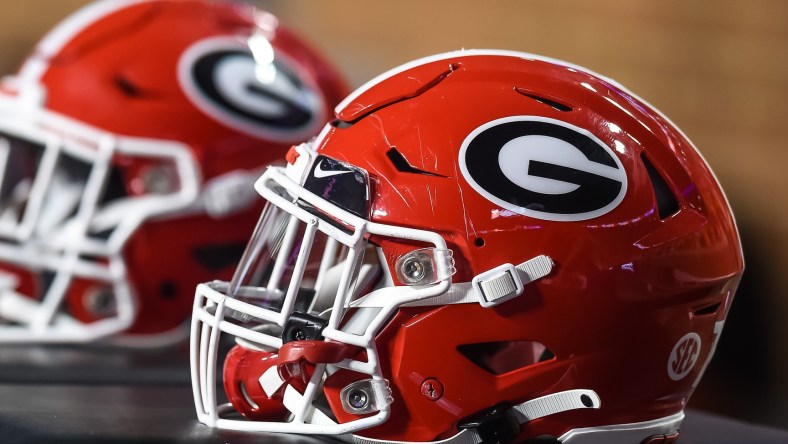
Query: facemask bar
point(67, 249)
point(213, 308)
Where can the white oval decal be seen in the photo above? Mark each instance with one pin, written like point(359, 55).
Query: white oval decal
point(223, 79)
point(543, 168)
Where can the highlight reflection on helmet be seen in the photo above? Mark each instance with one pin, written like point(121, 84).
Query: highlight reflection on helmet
point(484, 246)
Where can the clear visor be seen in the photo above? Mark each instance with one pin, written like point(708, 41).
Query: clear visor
point(290, 265)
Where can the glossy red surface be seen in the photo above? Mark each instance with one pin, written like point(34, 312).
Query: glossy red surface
point(627, 285)
point(242, 370)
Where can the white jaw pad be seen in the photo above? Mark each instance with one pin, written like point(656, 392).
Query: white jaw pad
point(270, 381)
point(294, 400)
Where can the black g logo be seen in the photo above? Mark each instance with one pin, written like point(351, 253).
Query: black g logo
point(543, 168)
point(222, 78)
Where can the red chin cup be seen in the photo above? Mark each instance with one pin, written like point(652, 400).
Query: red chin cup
point(242, 370)
point(295, 364)
point(297, 359)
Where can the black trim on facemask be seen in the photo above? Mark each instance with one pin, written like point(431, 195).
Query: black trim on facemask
point(402, 165)
point(303, 327)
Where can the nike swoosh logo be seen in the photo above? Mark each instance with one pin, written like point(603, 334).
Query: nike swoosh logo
point(321, 173)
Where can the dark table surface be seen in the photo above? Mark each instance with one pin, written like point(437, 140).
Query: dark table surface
point(104, 395)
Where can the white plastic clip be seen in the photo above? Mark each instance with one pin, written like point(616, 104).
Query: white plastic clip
point(270, 381)
point(505, 282)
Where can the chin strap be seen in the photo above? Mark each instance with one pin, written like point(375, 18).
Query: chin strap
point(501, 423)
point(556, 403)
point(488, 289)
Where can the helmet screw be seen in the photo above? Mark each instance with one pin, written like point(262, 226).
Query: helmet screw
point(358, 399)
point(432, 389)
point(99, 301)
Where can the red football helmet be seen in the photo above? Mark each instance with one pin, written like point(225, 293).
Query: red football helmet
point(129, 144)
point(484, 246)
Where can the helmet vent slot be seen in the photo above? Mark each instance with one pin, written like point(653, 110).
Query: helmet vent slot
point(341, 124)
point(127, 87)
point(402, 165)
point(506, 356)
point(667, 205)
point(360, 111)
point(552, 103)
point(707, 310)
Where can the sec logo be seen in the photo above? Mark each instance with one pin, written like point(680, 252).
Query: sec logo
point(684, 356)
point(543, 168)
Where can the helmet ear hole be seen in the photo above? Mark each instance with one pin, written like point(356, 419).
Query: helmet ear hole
point(506, 356)
point(126, 86)
point(479, 242)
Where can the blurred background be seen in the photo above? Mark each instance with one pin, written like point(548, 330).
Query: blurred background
point(718, 69)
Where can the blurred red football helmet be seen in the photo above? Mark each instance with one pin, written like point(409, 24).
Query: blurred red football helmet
point(484, 246)
point(129, 144)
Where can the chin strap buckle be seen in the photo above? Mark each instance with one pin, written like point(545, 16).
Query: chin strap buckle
point(505, 282)
point(500, 424)
point(496, 425)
